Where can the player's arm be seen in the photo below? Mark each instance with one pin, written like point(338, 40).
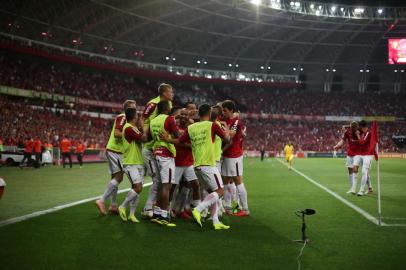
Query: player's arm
point(171, 127)
point(181, 141)
point(224, 134)
point(149, 108)
point(339, 144)
point(133, 134)
point(120, 122)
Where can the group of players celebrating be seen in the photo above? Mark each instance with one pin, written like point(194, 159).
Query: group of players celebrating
point(359, 155)
point(193, 155)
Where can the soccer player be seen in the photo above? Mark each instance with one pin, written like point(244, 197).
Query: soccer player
point(38, 150)
point(165, 92)
point(80, 151)
point(202, 136)
point(133, 164)
point(184, 164)
point(216, 114)
point(232, 166)
point(65, 145)
point(364, 157)
point(352, 148)
point(164, 154)
point(289, 153)
point(28, 148)
point(114, 150)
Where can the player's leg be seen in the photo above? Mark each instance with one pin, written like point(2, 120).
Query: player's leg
point(351, 175)
point(70, 160)
point(227, 171)
point(152, 170)
point(115, 169)
point(63, 159)
point(290, 161)
point(242, 191)
point(212, 179)
point(136, 176)
point(190, 176)
point(166, 166)
point(366, 165)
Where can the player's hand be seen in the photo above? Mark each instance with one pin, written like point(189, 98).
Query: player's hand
point(163, 135)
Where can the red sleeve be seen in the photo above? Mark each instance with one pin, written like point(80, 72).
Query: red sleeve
point(132, 134)
point(120, 122)
point(216, 130)
point(365, 139)
point(170, 125)
point(148, 110)
point(345, 136)
point(185, 137)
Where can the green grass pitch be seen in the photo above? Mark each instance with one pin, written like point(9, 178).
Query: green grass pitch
point(78, 238)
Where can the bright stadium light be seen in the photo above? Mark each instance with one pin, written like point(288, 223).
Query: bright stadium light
point(395, 70)
point(380, 11)
point(167, 58)
point(361, 70)
point(262, 67)
point(320, 7)
point(292, 4)
point(297, 4)
point(342, 9)
point(269, 67)
point(327, 70)
point(402, 70)
point(173, 59)
point(198, 61)
point(256, 2)
point(367, 70)
point(334, 70)
point(236, 65)
point(358, 10)
point(294, 69)
point(311, 6)
point(333, 8)
point(230, 65)
point(301, 69)
point(317, 12)
point(205, 62)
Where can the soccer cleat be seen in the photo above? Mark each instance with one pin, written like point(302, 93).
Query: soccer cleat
point(113, 210)
point(122, 212)
point(242, 213)
point(188, 211)
point(370, 190)
point(351, 192)
point(166, 222)
point(133, 219)
point(184, 215)
point(100, 206)
point(220, 226)
point(197, 217)
point(360, 193)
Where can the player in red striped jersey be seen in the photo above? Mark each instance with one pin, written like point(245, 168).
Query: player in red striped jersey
point(232, 165)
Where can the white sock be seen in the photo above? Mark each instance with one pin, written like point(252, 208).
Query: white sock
point(227, 196)
point(208, 201)
point(114, 195)
point(157, 210)
point(133, 205)
point(353, 181)
point(131, 195)
point(109, 189)
point(364, 179)
point(369, 183)
point(164, 213)
point(214, 213)
point(153, 193)
point(242, 192)
point(233, 190)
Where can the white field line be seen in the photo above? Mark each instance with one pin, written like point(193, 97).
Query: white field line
point(56, 208)
point(338, 197)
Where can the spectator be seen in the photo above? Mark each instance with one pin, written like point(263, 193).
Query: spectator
point(80, 151)
point(28, 149)
point(38, 150)
point(65, 147)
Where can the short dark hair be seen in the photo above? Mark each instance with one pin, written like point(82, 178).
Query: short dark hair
point(190, 103)
point(229, 104)
point(163, 87)
point(163, 106)
point(363, 123)
point(204, 110)
point(130, 113)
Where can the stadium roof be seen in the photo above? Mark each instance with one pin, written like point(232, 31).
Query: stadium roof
point(230, 34)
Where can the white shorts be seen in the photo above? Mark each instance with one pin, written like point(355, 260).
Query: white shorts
point(349, 163)
point(150, 161)
point(218, 165)
point(363, 161)
point(209, 177)
point(115, 162)
point(187, 172)
point(166, 168)
point(232, 166)
point(135, 173)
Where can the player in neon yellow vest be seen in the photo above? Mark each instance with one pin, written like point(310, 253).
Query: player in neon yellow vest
point(202, 137)
point(215, 114)
point(164, 153)
point(165, 92)
point(114, 151)
point(133, 164)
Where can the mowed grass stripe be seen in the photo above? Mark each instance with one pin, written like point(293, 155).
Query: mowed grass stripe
point(338, 197)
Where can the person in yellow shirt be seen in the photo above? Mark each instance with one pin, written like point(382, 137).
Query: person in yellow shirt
point(289, 153)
